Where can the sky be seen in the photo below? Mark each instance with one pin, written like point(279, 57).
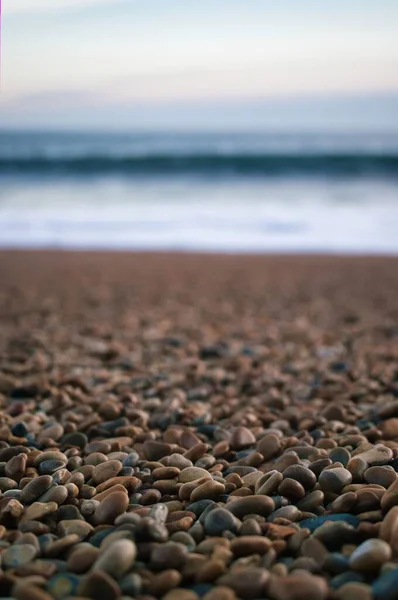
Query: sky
point(131, 63)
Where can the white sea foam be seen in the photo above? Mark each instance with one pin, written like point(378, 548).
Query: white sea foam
point(344, 215)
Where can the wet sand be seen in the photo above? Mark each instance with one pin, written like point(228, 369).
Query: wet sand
point(190, 423)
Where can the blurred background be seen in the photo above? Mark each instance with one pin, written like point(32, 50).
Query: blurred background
point(213, 125)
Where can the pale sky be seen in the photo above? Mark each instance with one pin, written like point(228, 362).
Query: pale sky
point(96, 60)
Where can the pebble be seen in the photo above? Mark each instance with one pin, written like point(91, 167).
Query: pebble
point(247, 582)
point(370, 555)
point(297, 587)
point(98, 586)
point(354, 591)
point(251, 505)
point(117, 559)
point(333, 480)
point(110, 508)
point(241, 437)
point(17, 555)
point(35, 488)
point(219, 520)
point(170, 555)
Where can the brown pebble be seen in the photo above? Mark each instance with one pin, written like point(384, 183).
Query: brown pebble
point(76, 526)
point(193, 474)
point(181, 594)
point(220, 592)
point(269, 446)
point(35, 488)
point(82, 558)
point(291, 489)
point(247, 545)
point(210, 571)
point(106, 470)
point(98, 586)
point(156, 450)
point(247, 582)
point(170, 555)
point(354, 591)
point(241, 438)
point(370, 555)
point(297, 587)
point(163, 582)
point(111, 507)
point(251, 505)
point(24, 590)
point(117, 559)
point(209, 489)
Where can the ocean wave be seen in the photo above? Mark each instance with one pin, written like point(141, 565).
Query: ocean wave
point(210, 164)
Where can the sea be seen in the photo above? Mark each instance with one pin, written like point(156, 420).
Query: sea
point(316, 192)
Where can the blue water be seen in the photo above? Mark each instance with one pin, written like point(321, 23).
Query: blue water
point(203, 191)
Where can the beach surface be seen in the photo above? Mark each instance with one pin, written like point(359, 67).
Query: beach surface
point(188, 426)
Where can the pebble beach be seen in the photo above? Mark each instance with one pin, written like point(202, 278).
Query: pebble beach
point(186, 427)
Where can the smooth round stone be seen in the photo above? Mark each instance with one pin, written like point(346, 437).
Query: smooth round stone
point(390, 498)
point(106, 470)
point(83, 558)
point(17, 555)
point(384, 476)
point(311, 501)
point(200, 506)
point(268, 483)
point(209, 489)
point(370, 555)
point(336, 563)
point(247, 582)
point(111, 507)
point(63, 585)
point(25, 590)
point(250, 544)
point(131, 585)
point(219, 520)
point(98, 586)
point(343, 503)
point(347, 577)
point(181, 594)
point(192, 474)
point(334, 534)
point(74, 439)
point(378, 455)
point(292, 489)
point(38, 510)
point(220, 592)
point(269, 446)
point(48, 467)
point(131, 460)
point(251, 505)
point(75, 526)
point(117, 559)
point(340, 455)
point(159, 512)
point(156, 450)
point(301, 474)
point(333, 480)
point(241, 438)
point(389, 428)
point(386, 586)
point(298, 587)
point(35, 488)
point(15, 467)
point(291, 512)
point(354, 591)
point(170, 555)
